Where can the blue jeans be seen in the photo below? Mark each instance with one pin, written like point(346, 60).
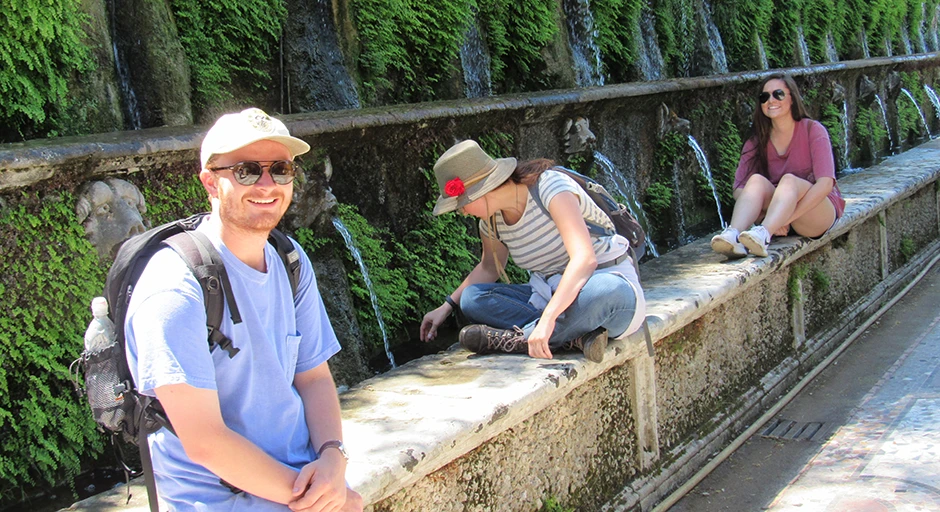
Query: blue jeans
point(606, 300)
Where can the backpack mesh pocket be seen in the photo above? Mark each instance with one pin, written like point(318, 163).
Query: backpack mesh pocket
point(106, 389)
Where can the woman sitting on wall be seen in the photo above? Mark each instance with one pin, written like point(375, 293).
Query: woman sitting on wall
point(581, 286)
point(786, 177)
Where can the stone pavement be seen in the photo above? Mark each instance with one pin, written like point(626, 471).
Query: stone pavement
point(884, 449)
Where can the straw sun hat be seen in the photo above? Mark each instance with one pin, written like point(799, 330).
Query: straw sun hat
point(465, 173)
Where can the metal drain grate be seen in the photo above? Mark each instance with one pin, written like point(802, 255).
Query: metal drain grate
point(781, 428)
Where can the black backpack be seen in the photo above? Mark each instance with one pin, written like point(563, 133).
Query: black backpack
point(116, 405)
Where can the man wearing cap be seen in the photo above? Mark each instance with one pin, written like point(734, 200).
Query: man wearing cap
point(259, 430)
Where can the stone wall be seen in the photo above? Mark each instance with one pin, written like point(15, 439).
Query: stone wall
point(731, 337)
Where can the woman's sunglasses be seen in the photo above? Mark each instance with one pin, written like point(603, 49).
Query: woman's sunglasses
point(779, 95)
point(248, 173)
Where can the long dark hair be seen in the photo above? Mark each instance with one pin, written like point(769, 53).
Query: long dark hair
point(761, 125)
point(528, 172)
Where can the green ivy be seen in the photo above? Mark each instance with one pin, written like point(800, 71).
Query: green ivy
point(820, 279)
point(48, 275)
point(617, 25)
point(551, 504)
point(173, 196)
point(675, 27)
point(781, 43)
point(728, 147)
point(907, 249)
point(658, 198)
point(798, 272)
point(516, 31)
point(228, 43)
point(670, 152)
point(821, 20)
point(409, 48)
point(910, 124)
point(870, 128)
point(40, 47)
point(831, 118)
point(741, 23)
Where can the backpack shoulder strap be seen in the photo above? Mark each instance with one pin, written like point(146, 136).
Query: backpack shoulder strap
point(593, 228)
point(289, 255)
point(206, 264)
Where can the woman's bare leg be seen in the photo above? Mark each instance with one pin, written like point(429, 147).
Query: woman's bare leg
point(750, 201)
point(786, 199)
point(816, 221)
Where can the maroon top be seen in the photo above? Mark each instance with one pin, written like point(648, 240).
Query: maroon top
point(809, 157)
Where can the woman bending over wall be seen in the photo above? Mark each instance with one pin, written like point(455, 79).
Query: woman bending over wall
point(582, 286)
point(786, 178)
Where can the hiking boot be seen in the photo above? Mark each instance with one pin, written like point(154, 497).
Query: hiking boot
point(483, 339)
point(727, 243)
point(593, 344)
point(756, 240)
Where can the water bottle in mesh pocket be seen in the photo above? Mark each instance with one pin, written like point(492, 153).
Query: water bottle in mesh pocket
point(107, 385)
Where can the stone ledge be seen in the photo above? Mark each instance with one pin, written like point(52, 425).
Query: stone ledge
point(27, 163)
point(415, 419)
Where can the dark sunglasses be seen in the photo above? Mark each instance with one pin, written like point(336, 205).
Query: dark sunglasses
point(779, 95)
point(248, 173)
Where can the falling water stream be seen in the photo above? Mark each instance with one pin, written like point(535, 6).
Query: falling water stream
point(628, 192)
point(475, 62)
point(866, 52)
point(131, 109)
point(584, 50)
point(347, 237)
point(845, 134)
point(933, 99)
point(832, 55)
point(716, 47)
point(762, 54)
point(801, 46)
point(906, 41)
point(884, 117)
point(707, 171)
point(919, 111)
point(650, 58)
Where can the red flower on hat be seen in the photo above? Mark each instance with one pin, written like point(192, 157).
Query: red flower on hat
point(454, 187)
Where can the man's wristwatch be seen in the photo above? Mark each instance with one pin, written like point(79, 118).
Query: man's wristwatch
point(333, 444)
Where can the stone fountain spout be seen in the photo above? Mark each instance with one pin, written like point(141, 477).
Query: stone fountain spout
point(313, 203)
point(838, 93)
point(578, 136)
point(669, 121)
point(866, 89)
point(894, 85)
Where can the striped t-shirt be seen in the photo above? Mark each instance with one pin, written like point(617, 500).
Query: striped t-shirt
point(535, 243)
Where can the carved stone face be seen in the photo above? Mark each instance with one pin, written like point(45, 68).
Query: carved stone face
point(313, 201)
point(110, 211)
point(669, 121)
point(578, 136)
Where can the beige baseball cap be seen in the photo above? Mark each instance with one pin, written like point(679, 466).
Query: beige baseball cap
point(235, 131)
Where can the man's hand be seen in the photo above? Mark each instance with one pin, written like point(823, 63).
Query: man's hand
point(321, 485)
point(353, 502)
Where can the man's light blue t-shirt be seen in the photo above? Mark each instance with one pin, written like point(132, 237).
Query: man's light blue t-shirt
point(167, 344)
